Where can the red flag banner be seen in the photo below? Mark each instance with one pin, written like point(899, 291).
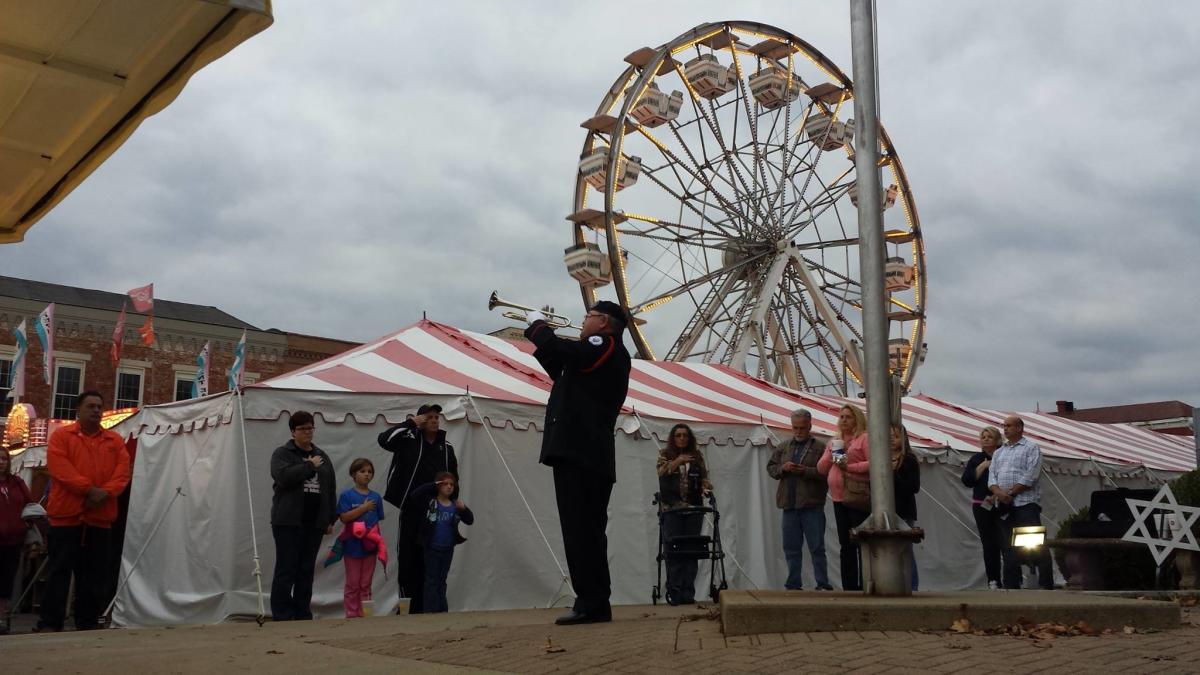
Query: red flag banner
point(143, 298)
point(147, 331)
point(118, 337)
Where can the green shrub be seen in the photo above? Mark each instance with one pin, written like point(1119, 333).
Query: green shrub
point(1186, 488)
point(1064, 532)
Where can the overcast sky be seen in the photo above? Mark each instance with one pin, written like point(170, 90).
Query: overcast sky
point(359, 163)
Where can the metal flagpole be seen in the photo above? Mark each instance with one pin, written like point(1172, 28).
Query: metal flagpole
point(886, 568)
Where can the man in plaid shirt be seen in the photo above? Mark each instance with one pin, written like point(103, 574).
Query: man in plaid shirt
point(1013, 479)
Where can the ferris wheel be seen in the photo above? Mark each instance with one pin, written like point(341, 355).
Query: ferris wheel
point(716, 198)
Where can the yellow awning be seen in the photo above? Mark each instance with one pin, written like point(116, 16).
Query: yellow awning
point(77, 77)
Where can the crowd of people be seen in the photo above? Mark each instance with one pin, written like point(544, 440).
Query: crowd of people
point(90, 467)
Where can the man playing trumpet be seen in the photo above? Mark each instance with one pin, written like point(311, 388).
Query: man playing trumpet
point(591, 378)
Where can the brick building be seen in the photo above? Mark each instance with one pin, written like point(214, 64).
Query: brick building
point(1167, 417)
point(84, 322)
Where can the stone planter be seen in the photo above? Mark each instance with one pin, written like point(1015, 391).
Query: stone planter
point(1188, 565)
point(1082, 563)
point(1079, 564)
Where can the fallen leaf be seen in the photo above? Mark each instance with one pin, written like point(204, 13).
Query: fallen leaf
point(1084, 628)
point(1189, 601)
point(551, 648)
point(273, 651)
point(455, 639)
point(961, 625)
point(1129, 630)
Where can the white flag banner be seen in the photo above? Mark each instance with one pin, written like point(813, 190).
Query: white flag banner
point(45, 332)
point(200, 384)
point(239, 364)
point(17, 379)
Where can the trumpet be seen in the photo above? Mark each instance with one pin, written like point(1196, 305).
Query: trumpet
point(553, 319)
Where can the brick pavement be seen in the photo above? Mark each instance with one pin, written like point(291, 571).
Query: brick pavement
point(639, 640)
point(692, 643)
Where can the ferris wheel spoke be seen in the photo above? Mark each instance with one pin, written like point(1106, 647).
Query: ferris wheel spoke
point(665, 249)
point(687, 202)
point(842, 279)
point(829, 316)
point(704, 321)
point(751, 120)
point(695, 239)
point(728, 150)
point(694, 171)
point(692, 284)
point(814, 209)
point(708, 116)
point(820, 338)
point(787, 364)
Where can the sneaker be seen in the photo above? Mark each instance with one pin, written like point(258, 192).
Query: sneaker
point(824, 587)
point(993, 586)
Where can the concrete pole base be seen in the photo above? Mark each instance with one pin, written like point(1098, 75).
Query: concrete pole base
point(887, 560)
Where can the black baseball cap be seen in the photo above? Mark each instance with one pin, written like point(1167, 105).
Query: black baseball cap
point(611, 309)
point(429, 407)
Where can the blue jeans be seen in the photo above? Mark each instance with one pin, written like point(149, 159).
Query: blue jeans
point(800, 525)
point(681, 573)
point(912, 556)
point(437, 568)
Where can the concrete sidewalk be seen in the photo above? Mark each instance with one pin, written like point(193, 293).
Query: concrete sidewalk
point(640, 639)
point(754, 612)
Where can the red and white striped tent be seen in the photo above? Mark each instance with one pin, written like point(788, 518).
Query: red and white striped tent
point(202, 473)
point(436, 359)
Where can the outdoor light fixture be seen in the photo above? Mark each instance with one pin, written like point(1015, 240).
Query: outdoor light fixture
point(1029, 538)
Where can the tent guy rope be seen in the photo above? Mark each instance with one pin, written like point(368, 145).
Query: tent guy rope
point(566, 579)
point(200, 454)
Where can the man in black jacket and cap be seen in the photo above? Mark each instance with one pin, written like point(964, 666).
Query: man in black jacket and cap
point(419, 452)
point(591, 378)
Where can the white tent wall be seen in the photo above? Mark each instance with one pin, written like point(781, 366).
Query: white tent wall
point(198, 564)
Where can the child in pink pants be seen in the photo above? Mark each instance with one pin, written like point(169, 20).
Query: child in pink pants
point(360, 509)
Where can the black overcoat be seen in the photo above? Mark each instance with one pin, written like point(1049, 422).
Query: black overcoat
point(591, 378)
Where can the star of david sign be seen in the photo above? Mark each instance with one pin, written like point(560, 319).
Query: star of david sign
point(1181, 530)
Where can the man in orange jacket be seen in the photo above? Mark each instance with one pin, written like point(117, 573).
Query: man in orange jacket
point(89, 469)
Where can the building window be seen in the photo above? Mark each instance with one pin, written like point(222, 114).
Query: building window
point(129, 388)
point(68, 382)
point(183, 386)
point(6, 382)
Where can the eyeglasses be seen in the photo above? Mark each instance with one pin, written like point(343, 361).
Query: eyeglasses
point(307, 428)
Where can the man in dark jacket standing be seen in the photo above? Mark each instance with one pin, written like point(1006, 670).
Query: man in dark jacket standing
point(801, 495)
point(419, 453)
point(303, 509)
point(591, 378)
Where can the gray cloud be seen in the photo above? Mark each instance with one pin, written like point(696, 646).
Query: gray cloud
point(346, 170)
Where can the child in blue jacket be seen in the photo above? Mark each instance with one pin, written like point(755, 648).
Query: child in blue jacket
point(439, 534)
